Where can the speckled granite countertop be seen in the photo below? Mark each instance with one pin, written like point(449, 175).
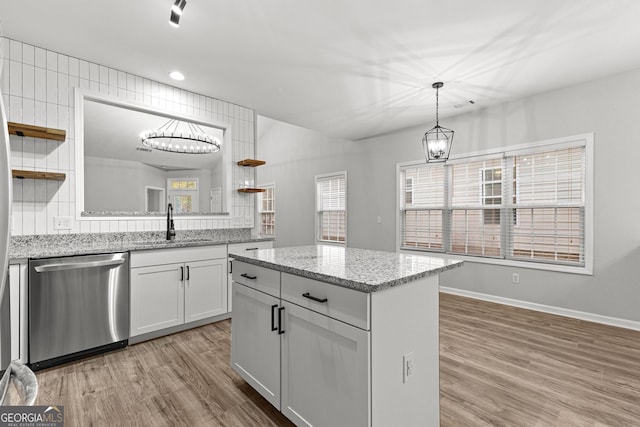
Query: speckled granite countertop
point(360, 269)
point(44, 246)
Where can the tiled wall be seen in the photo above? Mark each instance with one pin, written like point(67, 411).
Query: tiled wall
point(37, 87)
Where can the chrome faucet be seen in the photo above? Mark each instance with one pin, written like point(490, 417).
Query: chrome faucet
point(171, 231)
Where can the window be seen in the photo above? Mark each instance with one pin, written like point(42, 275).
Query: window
point(465, 207)
point(267, 210)
point(331, 195)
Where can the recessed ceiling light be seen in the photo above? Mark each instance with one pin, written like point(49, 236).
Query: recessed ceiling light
point(176, 75)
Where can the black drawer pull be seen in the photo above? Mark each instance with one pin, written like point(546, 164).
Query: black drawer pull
point(251, 249)
point(188, 273)
point(246, 276)
point(273, 317)
point(181, 274)
point(280, 330)
point(307, 295)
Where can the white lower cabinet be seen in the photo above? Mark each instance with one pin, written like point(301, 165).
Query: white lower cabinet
point(313, 368)
point(164, 294)
point(255, 344)
point(325, 370)
point(242, 248)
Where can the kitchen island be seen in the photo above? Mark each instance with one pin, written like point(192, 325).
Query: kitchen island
point(335, 336)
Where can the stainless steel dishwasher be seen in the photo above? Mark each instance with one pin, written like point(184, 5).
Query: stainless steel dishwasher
point(78, 306)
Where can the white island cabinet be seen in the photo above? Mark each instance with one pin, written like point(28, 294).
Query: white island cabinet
point(339, 336)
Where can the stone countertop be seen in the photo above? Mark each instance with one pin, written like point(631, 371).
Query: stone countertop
point(45, 246)
point(359, 269)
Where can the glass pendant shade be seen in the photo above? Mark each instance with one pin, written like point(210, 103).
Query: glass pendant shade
point(437, 144)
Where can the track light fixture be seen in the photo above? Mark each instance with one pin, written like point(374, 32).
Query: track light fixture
point(176, 12)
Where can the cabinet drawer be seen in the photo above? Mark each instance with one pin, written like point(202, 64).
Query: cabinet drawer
point(347, 305)
point(240, 248)
point(260, 278)
point(165, 256)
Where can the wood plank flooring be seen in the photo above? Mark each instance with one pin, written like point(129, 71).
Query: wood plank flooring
point(499, 366)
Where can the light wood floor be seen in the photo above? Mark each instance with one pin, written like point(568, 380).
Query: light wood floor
point(499, 366)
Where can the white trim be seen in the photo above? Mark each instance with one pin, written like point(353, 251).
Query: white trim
point(586, 140)
point(566, 312)
point(81, 95)
point(346, 211)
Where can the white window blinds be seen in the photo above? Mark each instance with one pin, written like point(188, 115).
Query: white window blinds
point(331, 207)
point(548, 208)
point(267, 209)
point(527, 207)
point(422, 206)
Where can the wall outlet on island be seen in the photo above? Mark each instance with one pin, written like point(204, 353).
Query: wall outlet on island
point(515, 278)
point(237, 221)
point(62, 223)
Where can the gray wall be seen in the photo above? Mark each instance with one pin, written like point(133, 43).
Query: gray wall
point(606, 107)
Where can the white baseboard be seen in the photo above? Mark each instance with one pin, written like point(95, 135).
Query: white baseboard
point(575, 314)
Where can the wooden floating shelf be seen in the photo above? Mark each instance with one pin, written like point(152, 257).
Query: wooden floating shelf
point(20, 174)
point(36, 131)
point(251, 163)
point(251, 190)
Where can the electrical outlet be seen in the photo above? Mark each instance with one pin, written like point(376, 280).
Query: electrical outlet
point(408, 367)
point(62, 223)
point(248, 221)
point(515, 278)
point(237, 221)
point(379, 220)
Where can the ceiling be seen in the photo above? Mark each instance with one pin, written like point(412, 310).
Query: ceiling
point(350, 69)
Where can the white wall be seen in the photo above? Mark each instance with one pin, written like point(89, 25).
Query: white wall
point(294, 156)
point(607, 107)
point(37, 86)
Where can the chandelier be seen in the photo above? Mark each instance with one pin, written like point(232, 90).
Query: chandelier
point(437, 141)
point(177, 136)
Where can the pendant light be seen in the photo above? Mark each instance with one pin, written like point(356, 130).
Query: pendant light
point(437, 141)
point(177, 136)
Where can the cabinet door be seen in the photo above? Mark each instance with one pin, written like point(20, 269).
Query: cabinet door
point(205, 289)
point(255, 347)
point(325, 370)
point(157, 298)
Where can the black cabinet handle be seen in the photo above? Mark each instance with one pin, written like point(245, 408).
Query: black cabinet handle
point(246, 276)
point(181, 273)
point(273, 317)
point(230, 266)
point(188, 273)
point(308, 295)
point(251, 249)
point(280, 330)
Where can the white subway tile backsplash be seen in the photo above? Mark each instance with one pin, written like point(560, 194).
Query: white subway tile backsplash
point(38, 89)
point(28, 54)
point(28, 81)
point(40, 57)
point(15, 78)
point(63, 64)
point(52, 61)
point(74, 66)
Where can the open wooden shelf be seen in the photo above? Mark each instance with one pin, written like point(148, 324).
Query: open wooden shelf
point(21, 174)
point(251, 163)
point(36, 131)
point(251, 190)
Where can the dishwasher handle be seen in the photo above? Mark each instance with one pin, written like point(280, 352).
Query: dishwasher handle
point(78, 265)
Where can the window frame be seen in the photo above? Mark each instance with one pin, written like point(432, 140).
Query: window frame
point(586, 140)
point(260, 210)
point(318, 231)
